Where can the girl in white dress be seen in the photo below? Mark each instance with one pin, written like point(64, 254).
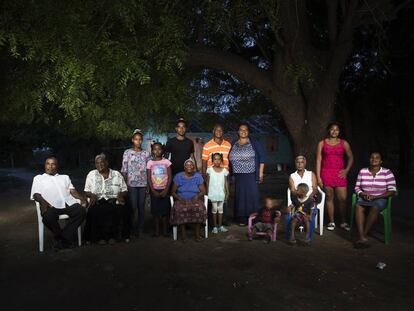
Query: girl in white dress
point(218, 190)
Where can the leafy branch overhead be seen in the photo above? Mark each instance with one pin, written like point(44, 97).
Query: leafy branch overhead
point(100, 62)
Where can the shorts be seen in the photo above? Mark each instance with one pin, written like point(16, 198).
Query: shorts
point(263, 227)
point(217, 207)
point(300, 217)
point(306, 206)
point(380, 204)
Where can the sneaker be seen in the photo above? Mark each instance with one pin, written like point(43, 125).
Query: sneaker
point(127, 240)
point(250, 238)
point(215, 230)
point(345, 226)
point(111, 241)
point(222, 229)
point(101, 242)
point(330, 226)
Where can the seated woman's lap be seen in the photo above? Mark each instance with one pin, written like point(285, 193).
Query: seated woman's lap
point(188, 212)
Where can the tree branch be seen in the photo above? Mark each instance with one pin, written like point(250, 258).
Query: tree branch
point(343, 45)
point(204, 56)
point(332, 21)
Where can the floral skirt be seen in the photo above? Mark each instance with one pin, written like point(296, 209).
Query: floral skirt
point(188, 213)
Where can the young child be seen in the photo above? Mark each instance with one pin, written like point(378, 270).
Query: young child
point(265, 219)
point(301, 211)
point(134, 170)
point(217, 185)
point(159, 181)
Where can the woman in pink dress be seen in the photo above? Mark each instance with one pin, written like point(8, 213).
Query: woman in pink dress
point(332, 172)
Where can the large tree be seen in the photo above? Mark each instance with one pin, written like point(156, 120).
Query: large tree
point(293, 51)
point(99, 68)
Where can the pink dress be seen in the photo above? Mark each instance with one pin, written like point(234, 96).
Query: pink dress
point(332, 163)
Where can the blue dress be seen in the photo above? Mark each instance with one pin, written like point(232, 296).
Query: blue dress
point(247, 198)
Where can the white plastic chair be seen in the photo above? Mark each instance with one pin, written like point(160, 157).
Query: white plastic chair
point(320, 206)
point(42, 228)
point(206, 224)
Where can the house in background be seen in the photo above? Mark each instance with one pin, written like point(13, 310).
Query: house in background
point(275, 142)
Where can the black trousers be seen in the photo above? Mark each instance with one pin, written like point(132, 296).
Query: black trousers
point(103, 221)
point(68, 233)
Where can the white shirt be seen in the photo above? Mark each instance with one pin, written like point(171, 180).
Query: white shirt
point(105, 188)
point(306, 179)
point(55, 189)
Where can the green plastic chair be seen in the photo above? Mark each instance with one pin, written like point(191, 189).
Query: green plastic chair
point(386, 214)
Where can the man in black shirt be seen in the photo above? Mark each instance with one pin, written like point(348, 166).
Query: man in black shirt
point(180, 147)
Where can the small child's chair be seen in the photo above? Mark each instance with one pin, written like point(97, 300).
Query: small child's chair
point(206, 224)
point(272, 236)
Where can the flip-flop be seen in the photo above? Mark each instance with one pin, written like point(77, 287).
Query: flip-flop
point(361, 245)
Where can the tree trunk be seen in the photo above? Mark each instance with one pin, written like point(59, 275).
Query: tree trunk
point(307, 126)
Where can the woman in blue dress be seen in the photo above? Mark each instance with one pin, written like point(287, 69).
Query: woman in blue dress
point(247, 163)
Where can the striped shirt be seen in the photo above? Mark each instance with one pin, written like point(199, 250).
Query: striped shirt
point(212, 147)
point(382, 182)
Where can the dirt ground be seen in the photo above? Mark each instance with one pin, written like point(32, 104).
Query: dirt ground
point(224, 272)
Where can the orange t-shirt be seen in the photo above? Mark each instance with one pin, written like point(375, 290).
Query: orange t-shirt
point(212, 147)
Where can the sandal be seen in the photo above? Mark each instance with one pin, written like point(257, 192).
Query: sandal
point(330, 226)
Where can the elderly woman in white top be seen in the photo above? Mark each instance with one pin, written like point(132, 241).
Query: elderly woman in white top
point(107, 191)
point(303, 176)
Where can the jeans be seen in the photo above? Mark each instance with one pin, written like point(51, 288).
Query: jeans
point(137, 202)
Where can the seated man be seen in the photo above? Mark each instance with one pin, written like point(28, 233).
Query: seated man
point(374, 185)
point(56, 196)
point(303, 176)
point(107, 191)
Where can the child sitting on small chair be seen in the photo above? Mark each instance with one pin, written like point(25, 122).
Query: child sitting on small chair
point(301, 211)
point(265, 219)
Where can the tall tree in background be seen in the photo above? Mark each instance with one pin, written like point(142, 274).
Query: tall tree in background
point(99, 68)
point(293, 51)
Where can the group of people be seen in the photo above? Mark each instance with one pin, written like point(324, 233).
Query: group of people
point(111, 199)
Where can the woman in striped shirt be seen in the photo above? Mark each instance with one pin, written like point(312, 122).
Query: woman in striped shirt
point(374, 185)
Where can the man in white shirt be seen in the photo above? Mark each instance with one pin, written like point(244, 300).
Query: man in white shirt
point(107, 191)
point(56, 196)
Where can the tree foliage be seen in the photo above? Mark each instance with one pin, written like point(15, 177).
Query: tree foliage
point(93, 67)
point(99, 68)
